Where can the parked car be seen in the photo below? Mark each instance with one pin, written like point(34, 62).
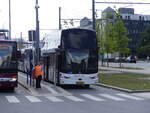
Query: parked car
point(131, 59)
point(109, 60)
point(121, 59)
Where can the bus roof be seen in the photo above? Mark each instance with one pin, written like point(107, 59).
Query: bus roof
point(8, 41)
point(4, 30)
point(78, 29)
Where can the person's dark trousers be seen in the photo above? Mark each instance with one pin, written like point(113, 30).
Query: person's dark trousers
point(38, 81)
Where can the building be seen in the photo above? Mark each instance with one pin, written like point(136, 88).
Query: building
point(86, 23)
point(135, 24)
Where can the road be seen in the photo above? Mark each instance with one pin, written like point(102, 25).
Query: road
point(78, 100)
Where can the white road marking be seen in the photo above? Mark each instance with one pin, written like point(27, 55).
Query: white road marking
point(73, 98)
point(92, 97)
point(54, 99)
point(144, 95)
point(12, 99)
point(50, 89)
point(130, 97)
point(33, 99)
point(112, 97)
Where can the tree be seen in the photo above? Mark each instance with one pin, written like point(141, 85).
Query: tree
point(109, 39)
point(112, 35)
point(68, 24)
point(121, 38)
point(105, 35)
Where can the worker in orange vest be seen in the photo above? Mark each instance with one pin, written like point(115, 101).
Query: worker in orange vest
point(37, 73)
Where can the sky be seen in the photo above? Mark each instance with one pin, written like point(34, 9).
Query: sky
point(23, 13)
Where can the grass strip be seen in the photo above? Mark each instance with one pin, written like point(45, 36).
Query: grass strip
point(126, 80)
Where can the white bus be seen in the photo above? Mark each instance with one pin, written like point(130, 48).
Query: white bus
point(70, 57)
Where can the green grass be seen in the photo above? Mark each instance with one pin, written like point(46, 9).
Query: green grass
point(126, 80)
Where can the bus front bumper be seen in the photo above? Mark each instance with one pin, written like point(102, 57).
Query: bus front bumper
point(79, 79)
point(8, 82)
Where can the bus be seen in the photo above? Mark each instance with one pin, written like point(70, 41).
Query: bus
point(8, 61)
point(70, 57)
point(8, 64)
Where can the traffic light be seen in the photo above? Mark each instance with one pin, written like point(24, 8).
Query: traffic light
point(32, 35)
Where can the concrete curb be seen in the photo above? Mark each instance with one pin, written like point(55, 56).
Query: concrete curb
point(24, 86)
point(122, 89)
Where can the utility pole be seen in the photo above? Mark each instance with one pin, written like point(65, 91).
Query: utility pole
point(93, 13)
point(9, 19)
point(59, 18)
point(20, 46)
point(37, 32)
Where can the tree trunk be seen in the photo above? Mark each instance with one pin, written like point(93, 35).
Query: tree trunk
point(107, 60)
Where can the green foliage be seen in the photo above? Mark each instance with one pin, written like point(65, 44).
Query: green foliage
point(98, 34)
point(121, 38)
point(109, 38)
point(144, 51)
point(111, 35)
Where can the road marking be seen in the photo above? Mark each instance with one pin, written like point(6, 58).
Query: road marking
point(12, 99)
point(112, 97)
point(33, 99)
point(143, 95)
point(130, 97)
point(73, 98)
point(50, 89)
point(54, 99)
point(92, 97)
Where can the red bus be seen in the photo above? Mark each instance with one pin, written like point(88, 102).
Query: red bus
point(8, 64)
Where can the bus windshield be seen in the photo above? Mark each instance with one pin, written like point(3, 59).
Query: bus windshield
point(79, 39)
point(83, 61)
point(7, 56)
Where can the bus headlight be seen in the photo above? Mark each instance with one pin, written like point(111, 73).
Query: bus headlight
point(93, 76)
point(13, 79)
point(65, 76)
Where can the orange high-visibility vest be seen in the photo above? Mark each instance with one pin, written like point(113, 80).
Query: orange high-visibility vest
point(37, 71)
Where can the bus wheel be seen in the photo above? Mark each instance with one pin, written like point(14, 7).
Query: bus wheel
point(12, 89)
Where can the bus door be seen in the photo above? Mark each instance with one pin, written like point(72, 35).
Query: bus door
point(45, 63)
point(53, 68)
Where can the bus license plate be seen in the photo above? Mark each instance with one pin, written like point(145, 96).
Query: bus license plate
point(80, 82)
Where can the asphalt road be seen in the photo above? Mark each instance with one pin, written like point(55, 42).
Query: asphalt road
point(81, 100)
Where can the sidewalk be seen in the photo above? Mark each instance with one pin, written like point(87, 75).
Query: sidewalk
point(46, 89)
point(144, 71)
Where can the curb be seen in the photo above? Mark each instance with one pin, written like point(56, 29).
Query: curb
point(122, 89)
point(24, 86)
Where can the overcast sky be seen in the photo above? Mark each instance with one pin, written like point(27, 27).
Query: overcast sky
point(23, 12)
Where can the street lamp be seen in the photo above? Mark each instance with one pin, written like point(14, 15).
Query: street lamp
point(93, 13)
point(37, 32)
point(9, 19)
point(59, 18)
